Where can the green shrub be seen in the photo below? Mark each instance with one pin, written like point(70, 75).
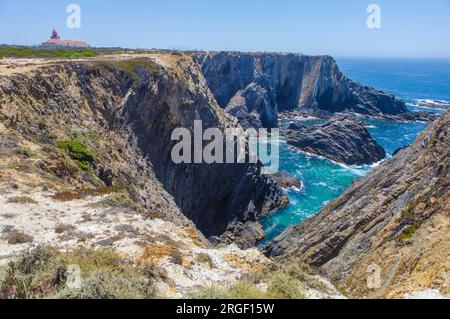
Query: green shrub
point(131, 67)
point(27, 52)
point(77, 151)
point(409, 231)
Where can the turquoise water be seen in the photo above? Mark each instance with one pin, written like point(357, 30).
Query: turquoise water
point(324, 180)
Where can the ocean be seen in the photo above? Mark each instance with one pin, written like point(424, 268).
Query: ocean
point(410, 79)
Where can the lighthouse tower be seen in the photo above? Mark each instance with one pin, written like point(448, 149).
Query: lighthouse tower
point(55, 35)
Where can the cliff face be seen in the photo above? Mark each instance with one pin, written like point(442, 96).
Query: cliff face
point(126, 111)
point(314, 84)
point(392, 224)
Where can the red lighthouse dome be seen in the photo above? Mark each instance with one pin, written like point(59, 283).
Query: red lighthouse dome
point(55, 35)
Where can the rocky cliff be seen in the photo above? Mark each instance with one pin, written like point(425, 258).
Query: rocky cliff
point(388, 235)
point(313, 84)
point(115, 118)
point(342, 139)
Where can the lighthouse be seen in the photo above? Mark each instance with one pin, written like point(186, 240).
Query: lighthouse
point(55, 43)
point(55, 35)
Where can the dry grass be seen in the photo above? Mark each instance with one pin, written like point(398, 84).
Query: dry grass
point(155, 252)
point(61, 229)
point(16, 237)
point(245, 265)
point(194, 236)
point(105, 276)
point(203, 258)
point(68, 196)
point(22, 200)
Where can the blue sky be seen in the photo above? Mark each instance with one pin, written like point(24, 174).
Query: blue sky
point(409, 28)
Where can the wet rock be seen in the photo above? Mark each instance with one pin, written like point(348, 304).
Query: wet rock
point(287, 180)
point(342, 139)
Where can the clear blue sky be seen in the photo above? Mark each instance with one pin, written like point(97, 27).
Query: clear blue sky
point(409, 28)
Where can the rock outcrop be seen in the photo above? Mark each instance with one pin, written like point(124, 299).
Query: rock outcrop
point(140, 102)
point(257, 101)
point(287, 180)
point(342, 139)
point(388, 235)
point(313, 84)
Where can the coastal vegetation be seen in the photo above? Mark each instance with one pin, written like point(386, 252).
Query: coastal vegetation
point(44, 272)
point(28, 52)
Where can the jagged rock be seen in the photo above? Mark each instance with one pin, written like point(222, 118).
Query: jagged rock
point(287, 180)
point(238, 108)
point(106, 175)
point(342, 139)
point(392, 223)
point(257, 100)
point(245, 236)
point(313, 84)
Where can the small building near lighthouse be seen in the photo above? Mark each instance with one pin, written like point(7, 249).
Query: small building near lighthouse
point(55, 43)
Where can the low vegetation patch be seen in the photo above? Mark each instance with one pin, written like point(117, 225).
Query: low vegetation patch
point(284, 281)
point(77, 151)
point(16, 237)
point(23, 200)
point(409, 232)
point(61, 229)
point(27, 52)
point(204, 258)
point(103, 274)
point(132, 67)
point(155, 252)
point(82, 193)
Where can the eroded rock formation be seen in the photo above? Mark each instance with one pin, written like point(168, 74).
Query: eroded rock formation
point(342, 139)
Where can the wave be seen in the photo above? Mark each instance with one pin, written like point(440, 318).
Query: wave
point(431, 104)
